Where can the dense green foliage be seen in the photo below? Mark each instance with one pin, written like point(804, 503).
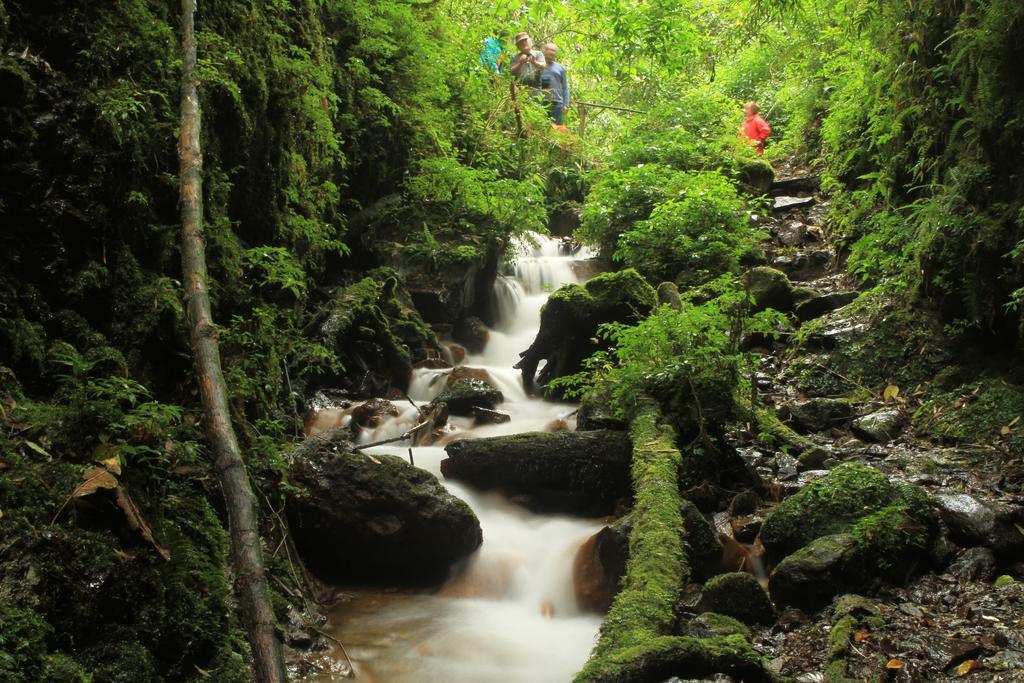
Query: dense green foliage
point(343, 136)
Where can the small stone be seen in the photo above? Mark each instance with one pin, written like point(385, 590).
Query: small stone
point(782, 203)
point(880, 427)
point(791, 233)
point(974, 564)
point(483, 416)
point(911, 610)
point(1004, 580)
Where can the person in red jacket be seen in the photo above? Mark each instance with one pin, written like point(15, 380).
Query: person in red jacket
point(755, 128)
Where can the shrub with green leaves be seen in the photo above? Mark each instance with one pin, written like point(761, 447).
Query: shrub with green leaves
point(694, 236)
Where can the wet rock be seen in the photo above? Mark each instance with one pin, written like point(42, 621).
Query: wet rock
point(770, 288)
point(472, 333)
point(787, 467)
point(483, 416)
point(1007, 539)
point(432, 364)
point(812, 576)
point(947, 652)
point(785, 203)
point(705, 550)
point(737, 595)
point(804, 183)
point(371, 327)
point(463, 373)
point(464, 396)
point(711, 625)
point(974, 564)
point(583, 473)
point(746, 528)
point(377, 519)
point(569, 322)
point(970, 523)
point(598, 566)
point(816, 414)
point(880, 427)
point(791, 233)
point(373, 413)
point(744, 503)
point(817, 306)
point(457, 353)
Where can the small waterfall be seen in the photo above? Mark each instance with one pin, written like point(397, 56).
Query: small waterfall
point(510, 615)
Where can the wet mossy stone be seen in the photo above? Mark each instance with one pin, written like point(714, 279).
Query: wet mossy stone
point(877, 339)
point(569, 322)
point(849, 496)
point(472, 333)
point(770, 288)
point(356, 517)
point(879, 427)
point(738, 595)
point(466, 395)
point(813, 575)
point(585, 473)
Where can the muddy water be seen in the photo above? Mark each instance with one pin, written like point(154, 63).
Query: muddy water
point(509, 613)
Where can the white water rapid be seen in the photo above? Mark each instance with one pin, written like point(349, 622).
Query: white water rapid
point(509, 615)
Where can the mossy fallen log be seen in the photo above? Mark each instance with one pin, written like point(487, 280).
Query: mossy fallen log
point(636, 642)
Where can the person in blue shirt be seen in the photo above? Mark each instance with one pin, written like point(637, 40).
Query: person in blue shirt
point(493, 54)
point(555, 83)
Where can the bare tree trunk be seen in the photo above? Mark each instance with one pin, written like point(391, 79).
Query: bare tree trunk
point(243, 522)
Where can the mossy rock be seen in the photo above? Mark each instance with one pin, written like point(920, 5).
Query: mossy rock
point(975, 413)
point(756, 175)
point(876, 340)
point(380, 519)
point(738, 595)
point(810, 577)
point(465, 395)
point(850, 496)
point(569, 322)
point(585, 473)
point(770, 288)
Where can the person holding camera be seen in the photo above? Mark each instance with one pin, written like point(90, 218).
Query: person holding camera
point(529, 64)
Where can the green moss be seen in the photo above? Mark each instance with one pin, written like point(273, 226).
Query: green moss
point(852, 614)
point(657, 568)
point(1004, 580)
point(849, 494)
point(975, 413)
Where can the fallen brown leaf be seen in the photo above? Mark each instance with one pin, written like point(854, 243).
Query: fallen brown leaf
point(894, 664)
point(137, 522)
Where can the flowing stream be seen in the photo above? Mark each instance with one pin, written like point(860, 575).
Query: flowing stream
point(509, 615)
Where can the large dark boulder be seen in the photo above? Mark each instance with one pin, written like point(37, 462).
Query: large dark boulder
point(357, 517)
point(812, 576)
point(569, 322)
point(584, 473)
